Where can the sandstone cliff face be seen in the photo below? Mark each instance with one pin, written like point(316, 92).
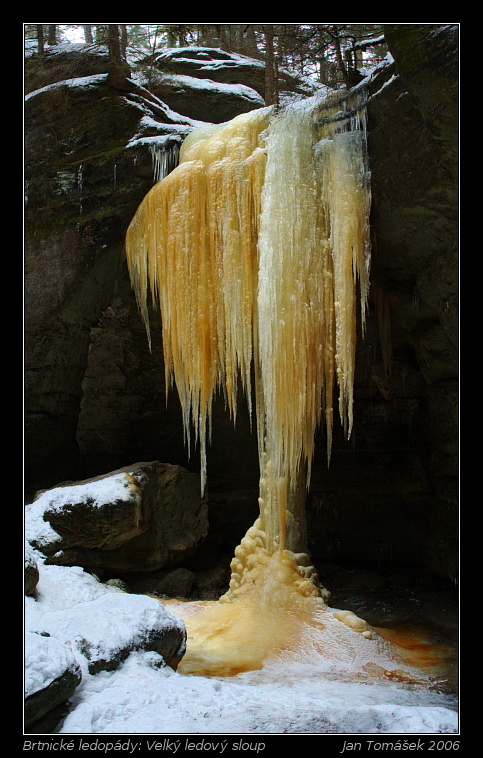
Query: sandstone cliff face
point(84, 180)
point(413, 144)
point(95, 395)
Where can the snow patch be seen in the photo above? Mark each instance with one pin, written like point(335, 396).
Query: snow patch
point(46, 659)
point(97, 494)
point(81, 81)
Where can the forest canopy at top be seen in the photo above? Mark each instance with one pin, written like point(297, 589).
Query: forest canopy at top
point(332, 54)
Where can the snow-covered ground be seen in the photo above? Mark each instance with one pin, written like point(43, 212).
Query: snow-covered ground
point(285, 697)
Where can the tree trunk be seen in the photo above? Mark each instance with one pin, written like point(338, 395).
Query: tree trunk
point(52, 38)
point(171, 36)
point(88, 33)
point(123, 42)
point(323, 68)
point(271, 94)
point(153, 54)
point(340, 60)
point(40, 39)
point(182, 35)
point(116, 76)
point(222, 37)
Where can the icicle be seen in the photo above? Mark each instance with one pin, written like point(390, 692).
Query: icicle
point(345, 194)
point(194, 240)
point(254, 247)
point(79, 187)
point(164, 159)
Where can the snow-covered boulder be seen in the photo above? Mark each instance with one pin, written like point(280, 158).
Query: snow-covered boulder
point(52, 674)
point(204, 99)
point(140, 518)
point(227, 67)
point(76, 627)
point(103, 513)
point(105, 630)
point(65, 61)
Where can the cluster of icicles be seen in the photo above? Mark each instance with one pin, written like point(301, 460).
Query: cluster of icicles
point(255, 247)
point(256, 250)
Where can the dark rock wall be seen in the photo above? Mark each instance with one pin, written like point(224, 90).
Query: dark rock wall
point(413, 146)
point(83, 186)
point(95, 395)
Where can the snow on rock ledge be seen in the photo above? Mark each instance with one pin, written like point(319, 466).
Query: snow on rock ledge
point(139, 518)
point(227, 67)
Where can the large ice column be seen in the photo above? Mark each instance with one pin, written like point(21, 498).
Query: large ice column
point(314, 255)
point(256, 248)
